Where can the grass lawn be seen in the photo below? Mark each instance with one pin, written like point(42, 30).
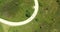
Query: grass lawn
point(47, 19)
point(16, 10)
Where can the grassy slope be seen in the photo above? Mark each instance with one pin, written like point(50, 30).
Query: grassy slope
point(47, 19)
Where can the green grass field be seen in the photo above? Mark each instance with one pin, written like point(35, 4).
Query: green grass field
point(47, 19)
point(16, 10)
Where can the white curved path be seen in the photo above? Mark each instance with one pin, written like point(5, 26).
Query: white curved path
point(22, 22)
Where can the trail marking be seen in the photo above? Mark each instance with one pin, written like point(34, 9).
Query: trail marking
point(23, 22)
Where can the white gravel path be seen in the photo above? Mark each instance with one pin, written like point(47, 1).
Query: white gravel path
point(23, 22)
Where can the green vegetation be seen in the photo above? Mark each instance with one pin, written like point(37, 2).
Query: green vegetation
point(47, 19)
point(1, 28)
point(16, 10)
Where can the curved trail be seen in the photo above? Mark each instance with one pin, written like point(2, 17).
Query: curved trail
point(22, 22)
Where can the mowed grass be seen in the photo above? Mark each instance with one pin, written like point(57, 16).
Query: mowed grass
point(16, 10)
point(1, 28)
point(47, 19)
